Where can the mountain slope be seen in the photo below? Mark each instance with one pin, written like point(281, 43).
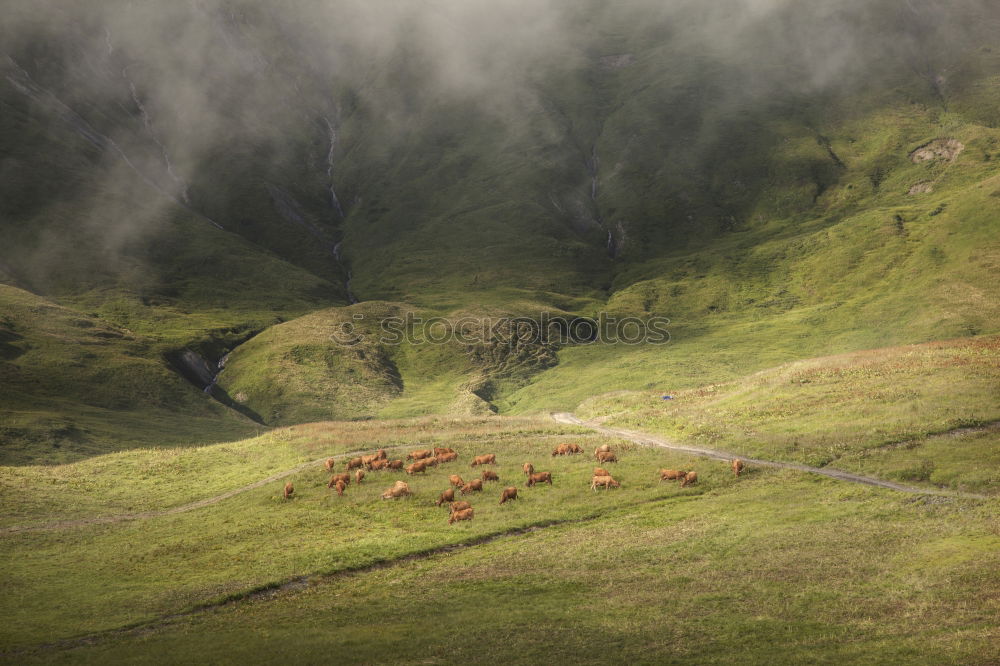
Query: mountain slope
point(76, 386)
point(778, 181)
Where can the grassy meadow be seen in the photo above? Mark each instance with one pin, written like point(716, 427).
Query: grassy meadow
point(832, 295)
point(919, 413)
point(786, 566)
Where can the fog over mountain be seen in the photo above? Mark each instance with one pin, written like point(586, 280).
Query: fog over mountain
point(200, 173)
point(167, 89)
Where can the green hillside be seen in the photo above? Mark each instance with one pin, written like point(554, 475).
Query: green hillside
point(75, 386)
point(244, 243)
point(199, 174)
point(777, 560)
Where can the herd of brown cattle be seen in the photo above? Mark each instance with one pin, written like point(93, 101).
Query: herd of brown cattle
point(462, 510)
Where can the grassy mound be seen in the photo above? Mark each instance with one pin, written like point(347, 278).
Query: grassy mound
point(721, 561)
point(76, 385)
point(909, 413)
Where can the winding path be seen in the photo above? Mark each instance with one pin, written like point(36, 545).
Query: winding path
point(565, 418)
point(650, 440)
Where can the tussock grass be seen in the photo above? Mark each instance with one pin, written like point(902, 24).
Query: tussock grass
point(878, 412)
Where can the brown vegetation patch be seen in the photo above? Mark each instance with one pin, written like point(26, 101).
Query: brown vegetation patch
point(938, 149)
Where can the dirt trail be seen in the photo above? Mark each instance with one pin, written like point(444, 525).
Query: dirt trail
point(184, 508)
point(650, 440)
point(560, 417)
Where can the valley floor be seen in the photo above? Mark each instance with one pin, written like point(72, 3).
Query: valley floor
point(184, 555)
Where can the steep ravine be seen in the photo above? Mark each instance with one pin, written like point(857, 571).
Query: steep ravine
point(23, 82)
point(337, 208)
point(204, 374)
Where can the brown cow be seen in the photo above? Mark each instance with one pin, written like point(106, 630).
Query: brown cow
point(737, 467)
point(489, 475)
point(602, 448)
point(395, 464)
point(509, 493)
point(600, 471)
point(541, 477)
point(330, 462)
point(464, 514)
point(474, 486)
point(378, 464)
point(575, 448)
point(560, 450)
point(447, 457)
point(345, 477)
point(529, 469)
point(419, 466)
point(672, 474)
point(355, 462)
point(689, 478)
point(489, 459)
point(447, 496)
point(605, 481)
point(419, 454)
point(606, 456)
point(368, 460)
point(341, 487)
point(438, 450)
point(399, 489)
point(456, 480)
point(381, 454)
point(461, 505)
point(430, 462)
point(360, 474)
point(289, 489)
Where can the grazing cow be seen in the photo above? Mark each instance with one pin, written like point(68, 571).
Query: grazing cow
point(465, 514)
point(600, 471)
point(419, 466)
point(368, 460)
point(529, 469)
point(447, 496)
point(560, 450)
point(447, 457)
point(604, 481)
point(289, 489)
point(574, 448)
point(603, 448)
point(606, 456)
point(420, 454)
point(379, 464)
point(438, 450)
point(381, 454)
point(341, 487)
point(430, 462)
point(345, 477)
point(672, 474)
point(399, 489)
point(360, 474)
point(689, 478)
point(509, 493)
point(395, 464)
point(456, 480)
point(490, 459)
point(460, 505)
point(737, 467)
point(541, 477)
point(474, 486)
point(489, 475)
point(330, 462)
point(355, 462)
